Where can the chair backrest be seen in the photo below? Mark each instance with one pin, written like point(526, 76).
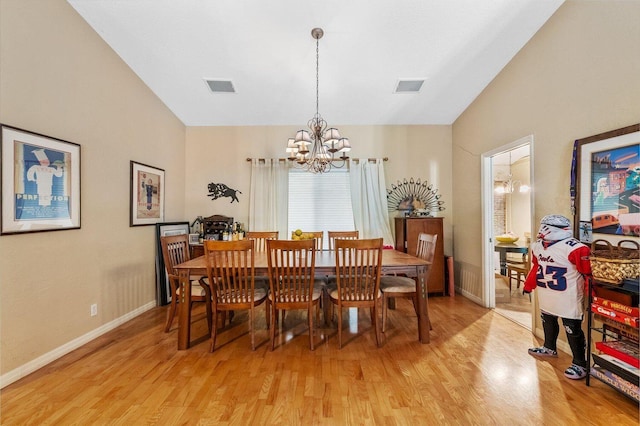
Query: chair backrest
point(175, 250)
point(344, 235)
point(260, 238)
point(426, 246)
point(319, 236)
point(230, 269)
point(291, 270)
point(358, 266)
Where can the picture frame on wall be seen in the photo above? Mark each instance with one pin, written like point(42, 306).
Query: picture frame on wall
point(608, 185)
point(147, 195)
point(40, 178)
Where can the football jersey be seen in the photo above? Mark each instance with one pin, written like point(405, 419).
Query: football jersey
point(558, 275)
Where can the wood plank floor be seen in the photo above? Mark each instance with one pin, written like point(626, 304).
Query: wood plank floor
point(475, 371)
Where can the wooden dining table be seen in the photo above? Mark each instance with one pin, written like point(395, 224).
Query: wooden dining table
point(393, 262)
point(504, 248)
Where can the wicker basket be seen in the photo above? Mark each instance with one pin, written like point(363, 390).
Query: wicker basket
point(613, 264)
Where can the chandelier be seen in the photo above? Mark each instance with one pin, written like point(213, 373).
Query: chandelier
point(319, 149)
point(510, 185)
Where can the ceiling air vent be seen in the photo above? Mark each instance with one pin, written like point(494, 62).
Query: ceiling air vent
point(221, 86)
point(408, 86)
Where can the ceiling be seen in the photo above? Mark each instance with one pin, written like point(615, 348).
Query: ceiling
point(267, 51)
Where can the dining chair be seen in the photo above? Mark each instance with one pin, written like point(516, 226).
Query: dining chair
point(358, 265)
point(175, 250)
point(319, 236)
point(292, 280)
point(345, 235)
point(393, 286)
point(517, 270)
point(261, 237)
point(231, 272)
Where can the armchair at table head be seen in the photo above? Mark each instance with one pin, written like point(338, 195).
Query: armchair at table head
point(396, 286)
point(175, 250)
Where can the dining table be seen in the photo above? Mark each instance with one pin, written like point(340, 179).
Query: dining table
point(393, 262)
point(504, 248)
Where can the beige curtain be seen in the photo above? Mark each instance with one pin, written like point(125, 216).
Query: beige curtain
point(268, 199)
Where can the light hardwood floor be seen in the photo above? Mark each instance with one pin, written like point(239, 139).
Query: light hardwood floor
point(475, 371)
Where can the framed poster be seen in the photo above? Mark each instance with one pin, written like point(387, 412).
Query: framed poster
point(163, 288)
point(608, 185)
point(40, 182)
point(147, 195)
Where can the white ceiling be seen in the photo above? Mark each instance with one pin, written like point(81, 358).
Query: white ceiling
point(266, 49)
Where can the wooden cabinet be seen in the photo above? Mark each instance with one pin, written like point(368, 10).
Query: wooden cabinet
point(407, 230)
point(197, 250)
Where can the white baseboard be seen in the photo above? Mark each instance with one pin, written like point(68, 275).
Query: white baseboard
point(470, 296)
point(59, 352)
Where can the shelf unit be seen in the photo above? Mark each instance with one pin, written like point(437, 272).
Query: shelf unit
point(613, 336)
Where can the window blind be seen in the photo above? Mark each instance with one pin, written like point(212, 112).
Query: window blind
point(320, 202)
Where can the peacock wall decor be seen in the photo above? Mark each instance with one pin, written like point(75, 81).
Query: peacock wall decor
point(415, 197)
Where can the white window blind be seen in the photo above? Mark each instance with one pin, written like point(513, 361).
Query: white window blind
point(320, 202)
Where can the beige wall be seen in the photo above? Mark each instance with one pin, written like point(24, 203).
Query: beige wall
point(58, 78)
point(518, 203)
point(218, 154)
point(578, 76)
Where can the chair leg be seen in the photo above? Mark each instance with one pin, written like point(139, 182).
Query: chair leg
point(214, 329)
point(209, 314)
point(339, 327)
point(172, 313)
point(376, 323)
point(385, 301)
point(251, 331)
point(272, 314)
point(310, 316)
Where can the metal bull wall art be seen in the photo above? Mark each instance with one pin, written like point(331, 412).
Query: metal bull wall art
point(219, 190)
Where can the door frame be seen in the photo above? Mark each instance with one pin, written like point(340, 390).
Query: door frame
point(488, 267)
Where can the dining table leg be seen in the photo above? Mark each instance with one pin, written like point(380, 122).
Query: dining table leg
point(423, 308)
point(184, 311)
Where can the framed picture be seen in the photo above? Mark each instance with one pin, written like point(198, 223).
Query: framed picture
point(40, 179)
point(163, 288)
point(147, 195)
point(608, 185)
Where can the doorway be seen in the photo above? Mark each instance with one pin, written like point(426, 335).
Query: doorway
point(507, 211)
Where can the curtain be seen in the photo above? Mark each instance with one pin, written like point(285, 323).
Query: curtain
point(268, 198)
point(369, 200)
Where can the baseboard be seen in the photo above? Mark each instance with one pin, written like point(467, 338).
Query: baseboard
point(470, 296)
point(59, 352)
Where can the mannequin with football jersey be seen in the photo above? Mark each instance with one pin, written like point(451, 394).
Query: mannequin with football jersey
point(559, 269)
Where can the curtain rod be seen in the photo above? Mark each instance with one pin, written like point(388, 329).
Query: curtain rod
point(337, 159)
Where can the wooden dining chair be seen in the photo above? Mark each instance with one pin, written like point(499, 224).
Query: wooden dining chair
point(517, 270)
point(231, 272)
point(393, 286)
point(175, 250)
point(261, 237)
point(292, 281)
point(345, 235)
point(319, 236)
point(358, 265)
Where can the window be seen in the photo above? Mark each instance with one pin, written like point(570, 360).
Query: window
point(320, 202)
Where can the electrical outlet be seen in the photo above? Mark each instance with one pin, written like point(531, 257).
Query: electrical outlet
point(94, 310)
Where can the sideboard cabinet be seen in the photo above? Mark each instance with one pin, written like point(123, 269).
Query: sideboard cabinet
point(407, 230)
